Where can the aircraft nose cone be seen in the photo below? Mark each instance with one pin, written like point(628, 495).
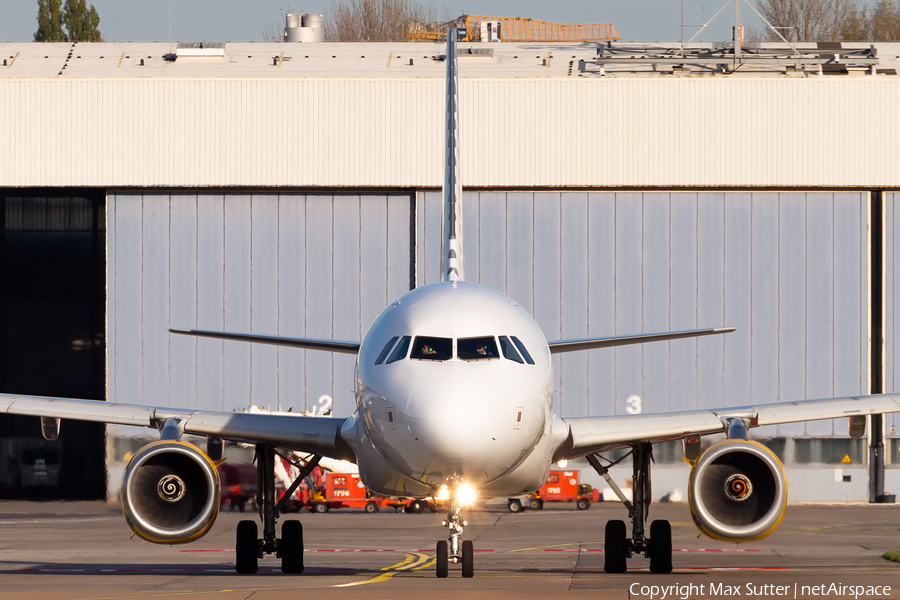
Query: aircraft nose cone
point(453, 422)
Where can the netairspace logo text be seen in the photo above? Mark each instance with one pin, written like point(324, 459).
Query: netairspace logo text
point(690, 590)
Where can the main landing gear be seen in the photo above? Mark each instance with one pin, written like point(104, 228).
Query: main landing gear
point(289, 548)
point(454, 549)
point(618, 548)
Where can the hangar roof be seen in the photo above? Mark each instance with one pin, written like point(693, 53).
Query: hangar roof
point(346, 60)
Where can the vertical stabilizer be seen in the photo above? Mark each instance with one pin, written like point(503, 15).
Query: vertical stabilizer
point(451, 226)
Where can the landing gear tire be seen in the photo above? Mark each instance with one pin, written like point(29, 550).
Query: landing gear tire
point(321, 508)
point(247, 548)
point(441, 559)
point(536, 504)
point(468, 558)
point(515, 506)
point(615, 550)
point(660, 547)
point(583, 504)
point(291, 547)
point(371, 507)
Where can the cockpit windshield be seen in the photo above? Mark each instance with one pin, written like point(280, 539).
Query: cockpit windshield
point(509, 351)
point(432, 348)
point(387, 348)
point(522, 349)
point(441, 349)
point(476, 348)
point(399, 352)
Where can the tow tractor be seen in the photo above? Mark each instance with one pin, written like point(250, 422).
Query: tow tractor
point(561, 486)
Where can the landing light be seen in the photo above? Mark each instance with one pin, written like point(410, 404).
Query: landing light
point(562, 463)
point(465, 494)
point(443, 493)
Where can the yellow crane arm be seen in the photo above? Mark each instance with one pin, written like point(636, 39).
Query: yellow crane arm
point(519, 29)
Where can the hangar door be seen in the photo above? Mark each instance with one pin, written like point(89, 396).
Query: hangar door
point(293, 265)
point(789, 270)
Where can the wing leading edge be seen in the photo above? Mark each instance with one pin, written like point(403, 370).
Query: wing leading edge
point(319, 435)
point(596, 434)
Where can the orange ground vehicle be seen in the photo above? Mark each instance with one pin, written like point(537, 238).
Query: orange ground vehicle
point(561, 486)
point(345, 490)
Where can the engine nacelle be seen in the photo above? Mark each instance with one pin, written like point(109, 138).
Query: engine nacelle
point(170, 492)
point(737, 491)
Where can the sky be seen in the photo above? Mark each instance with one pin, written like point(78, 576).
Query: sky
point(246, 21)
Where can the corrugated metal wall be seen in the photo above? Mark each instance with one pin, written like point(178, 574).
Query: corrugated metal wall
point(517, 133)
point(789, 270)
point(317, 266)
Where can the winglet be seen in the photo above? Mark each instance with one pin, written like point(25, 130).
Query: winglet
point(451, 225)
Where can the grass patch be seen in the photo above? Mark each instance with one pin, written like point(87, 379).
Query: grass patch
point(893, 555)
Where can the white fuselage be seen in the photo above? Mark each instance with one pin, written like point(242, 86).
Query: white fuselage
point(454, 396)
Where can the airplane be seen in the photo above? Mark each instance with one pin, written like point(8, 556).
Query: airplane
point(453, 400)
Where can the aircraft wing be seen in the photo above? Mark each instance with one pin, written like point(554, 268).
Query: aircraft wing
point(319, 435)
point(624, 340)
point(596, 434)
point(306, 343)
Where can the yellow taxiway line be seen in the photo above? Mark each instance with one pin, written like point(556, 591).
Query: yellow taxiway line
point(414, 561)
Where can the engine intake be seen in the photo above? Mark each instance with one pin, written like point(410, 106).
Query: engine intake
point(170, 492)
point(737, 491)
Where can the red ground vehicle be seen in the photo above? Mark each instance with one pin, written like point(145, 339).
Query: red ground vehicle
point(238, 484)
point(561, 486)
point(345, 490)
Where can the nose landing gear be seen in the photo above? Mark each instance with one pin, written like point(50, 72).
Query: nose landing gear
point(454, 549)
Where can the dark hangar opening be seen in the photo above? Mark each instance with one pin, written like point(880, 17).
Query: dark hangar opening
point(52, 337)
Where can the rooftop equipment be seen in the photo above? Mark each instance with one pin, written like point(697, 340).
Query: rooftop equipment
point(304, 28)
point(200, 50)
point(826, 58)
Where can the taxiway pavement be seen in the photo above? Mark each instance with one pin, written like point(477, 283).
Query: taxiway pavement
point(68, 551)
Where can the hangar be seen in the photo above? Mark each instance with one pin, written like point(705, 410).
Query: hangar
point(292, 189)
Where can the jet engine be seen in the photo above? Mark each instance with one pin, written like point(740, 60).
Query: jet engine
point(170, 492)
point(737, 491)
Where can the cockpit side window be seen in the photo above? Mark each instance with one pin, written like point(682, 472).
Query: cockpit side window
point(476, 348)
point(522, 349)
point(399, 352)
point(432, 348)
point(387, 348)
point(509, 350)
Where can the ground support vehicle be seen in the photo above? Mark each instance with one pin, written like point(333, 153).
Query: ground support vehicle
point(238, 484)
point(345, 490)
point(561, 486)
